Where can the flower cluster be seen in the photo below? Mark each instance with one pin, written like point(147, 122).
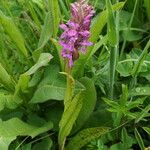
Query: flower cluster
point(76, 31)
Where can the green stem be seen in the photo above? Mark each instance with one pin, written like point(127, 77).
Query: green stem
point(69, 89)
point(113, 24)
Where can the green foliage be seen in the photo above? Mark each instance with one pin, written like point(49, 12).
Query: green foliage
point(22, 129)
point(85, 136)
point(69, 117)
point(14, 127)
point(139, 139)
point(14, 33)
point(88, 100)
point(6, 79)
point(102, 103)
point(45, 144)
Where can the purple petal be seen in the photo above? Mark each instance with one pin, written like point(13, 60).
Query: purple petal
point(63, 26)
point(64, 45)
point(73, 25)
point(86, 43)
point(72, 33)
point(85, 33)
point(64, 35)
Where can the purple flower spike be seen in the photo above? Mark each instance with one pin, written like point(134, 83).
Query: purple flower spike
point(76, 31)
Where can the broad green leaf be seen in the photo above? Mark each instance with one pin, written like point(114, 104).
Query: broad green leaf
point(6, 79)
point(85, 136)
point(68, 118)
point(96, 28)
point(53, 87)
point(4, 142)
point(14, 33)
point(15, 127)
point(45, 144)
point(48, 92)
point(139, 139)
point(42, 61)
point(89, 101)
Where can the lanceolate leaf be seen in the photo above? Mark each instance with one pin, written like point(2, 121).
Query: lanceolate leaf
point(147, 5)
point(55, 18)
point(46, 31)
point(68, 118)
point(138, 65)
point(139, 139)
point(50, 28)
point(89, 101)
point(147, 130)
point(85, 136)
point(46, 34)
point(14, 33)
point(142, 114)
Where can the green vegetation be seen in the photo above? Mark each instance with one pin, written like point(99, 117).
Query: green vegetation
point(104, 104)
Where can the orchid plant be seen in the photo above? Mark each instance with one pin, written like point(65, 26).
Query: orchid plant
point(73, 40)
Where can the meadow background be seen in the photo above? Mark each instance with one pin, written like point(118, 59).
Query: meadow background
point(111, 82)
